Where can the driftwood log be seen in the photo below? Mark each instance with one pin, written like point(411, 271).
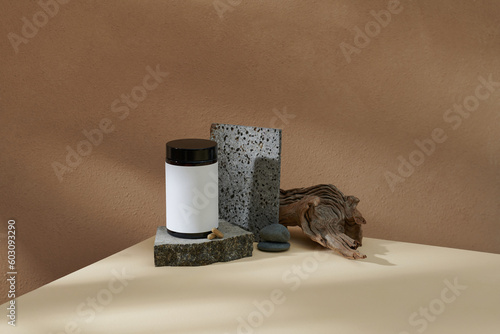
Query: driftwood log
point(326, 216)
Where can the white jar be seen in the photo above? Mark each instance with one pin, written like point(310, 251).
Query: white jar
point(192, 188)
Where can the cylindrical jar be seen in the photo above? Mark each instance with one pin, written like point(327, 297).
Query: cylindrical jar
point(192, 190)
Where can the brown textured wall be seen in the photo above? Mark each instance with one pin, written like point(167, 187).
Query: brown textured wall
point(349, 119)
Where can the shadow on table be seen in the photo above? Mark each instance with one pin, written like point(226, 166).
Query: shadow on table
point(373, 253)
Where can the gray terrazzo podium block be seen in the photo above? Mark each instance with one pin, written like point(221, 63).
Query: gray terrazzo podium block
point(249, 175)
point(171, 251)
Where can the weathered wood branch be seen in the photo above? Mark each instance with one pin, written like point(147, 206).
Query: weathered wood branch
point(326, 216)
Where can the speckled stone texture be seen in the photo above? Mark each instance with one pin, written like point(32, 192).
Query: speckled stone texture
point(249, 175)
point(171, 251)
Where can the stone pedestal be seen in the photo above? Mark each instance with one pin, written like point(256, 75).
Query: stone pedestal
point(249, 175)
point(171, 251)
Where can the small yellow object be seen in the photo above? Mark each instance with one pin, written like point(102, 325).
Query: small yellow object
point(211, 236)
point(218, 233)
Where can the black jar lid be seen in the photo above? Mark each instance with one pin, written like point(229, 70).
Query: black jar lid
point(191, 152)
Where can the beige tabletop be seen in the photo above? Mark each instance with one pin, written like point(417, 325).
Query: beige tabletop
point(399, 288)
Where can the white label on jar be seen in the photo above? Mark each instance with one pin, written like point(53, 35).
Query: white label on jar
point(192, 194)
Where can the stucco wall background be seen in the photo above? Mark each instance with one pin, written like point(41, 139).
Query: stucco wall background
point(345, 120)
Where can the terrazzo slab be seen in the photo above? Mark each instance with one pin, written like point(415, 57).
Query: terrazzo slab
point(171, 251)
point(249, 175)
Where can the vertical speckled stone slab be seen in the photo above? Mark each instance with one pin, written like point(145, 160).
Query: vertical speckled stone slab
point(249, 175)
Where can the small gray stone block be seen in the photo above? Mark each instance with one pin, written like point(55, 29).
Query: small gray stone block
point(249, 175)
point(171, 251)
point(275, 233)
point(267, 246)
